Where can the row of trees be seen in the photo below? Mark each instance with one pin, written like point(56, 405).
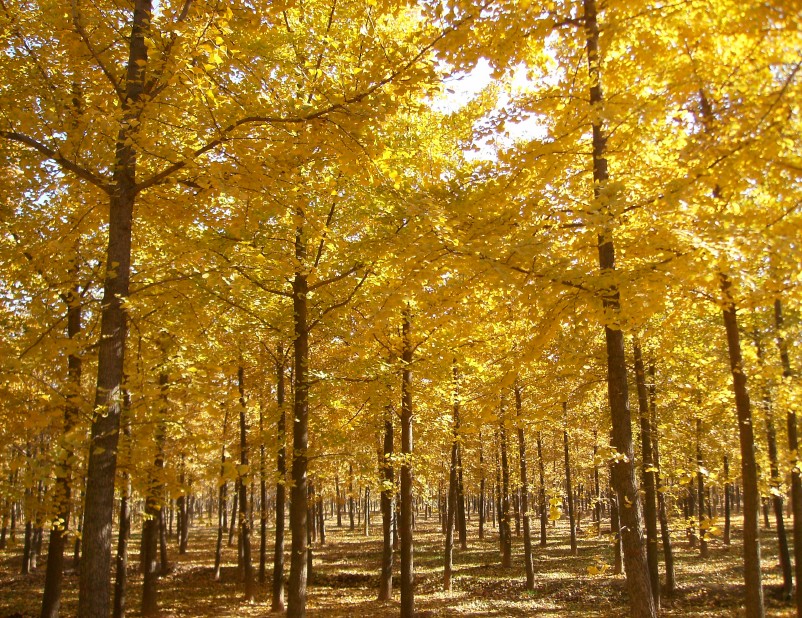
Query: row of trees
point(338, 217)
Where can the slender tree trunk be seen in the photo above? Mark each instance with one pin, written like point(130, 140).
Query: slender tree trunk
point(596, 486)
point(569, 490)
point(506, 536)
point(528, 558)
point(407, 580)
point(245, 528)
point(641, 601)
point(339, 501)
point(793, 447)
point(665, 534)
point(154, 502)
point(95, 576)
point(222, 500)
point(351, 495)
point(727, 505)
point(615, 530)
point(388, 489)
point(752, 578)
point(648, 474)
point(296, 606)
point(277, 602)
point(262, 499)
point(482, 482)
point(51, 599)
point(700, 493)
point(452, 486)
point(541, 494)
point(461, 523)
point(124, 534)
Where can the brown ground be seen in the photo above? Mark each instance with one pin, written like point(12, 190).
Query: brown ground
point(346, 581)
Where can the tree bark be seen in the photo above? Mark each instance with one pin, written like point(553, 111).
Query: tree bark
point(506, 534)
point(124, 534)
point(541, 494)
point(51, 599)
point(665, 534)
point(793, 447)
point(482, 483)
point(245, 528)
point(222, 500)
point(407, 580)
point(569, 490)
point(649, 472)
point(528, 558)
point(752, 577)
point(727, 505)
point(296, 605)
point(277, 602)
point(641, 600)
point(388, 490)
point(94, 586)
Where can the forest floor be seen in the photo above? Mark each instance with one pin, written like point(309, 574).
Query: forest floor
point(345, 579)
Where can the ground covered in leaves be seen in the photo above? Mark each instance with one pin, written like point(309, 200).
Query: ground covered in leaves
point(345, 579)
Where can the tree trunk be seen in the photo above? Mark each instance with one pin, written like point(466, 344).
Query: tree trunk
point(245, 528)
point(296, 606)
point(752, 577)
point(262, 499)
point(124, 533)
point(222, 500)
point(277, 602)
point(727, 505)
point(700, 479)
point(388, 489)
point(641, 601)
point(451, 505)
point(339, 501)
point(665, 534)
point(615, 531)
point(569, 490)
point(541, 494)
point(793, 447)
point(94, 586)
point(154, 502)
point(461, 523)
point(407, 580)
point(51, 599)
point(351, 495)
point(506, 536)
point(528, 558)
point(482, 483)
point(649, 471)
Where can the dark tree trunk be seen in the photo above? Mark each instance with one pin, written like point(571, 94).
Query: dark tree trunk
point(793, 446)
point(727, 505)
point(569, 491)
point(461, 523)
point(776, 482)
point(233, 524)
point(649, 473)
point(339, 501)
point(506, 534)
point(245, 528)
point(351, 496)
point(541, 493)
point(154, 504)
point(641, 601)
point(222, 499)
point(700, 480)
point(451, 504)
point(482, 482)
point(388, 490)
point(262, 500)
point(407, 580)
point(752, 578)
point(296, 605)
point(277, 602)
point(51, 599)
point(124, 534)
point(596, 486)
point(528, 558)
point(95, 575)
point(665, 534)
